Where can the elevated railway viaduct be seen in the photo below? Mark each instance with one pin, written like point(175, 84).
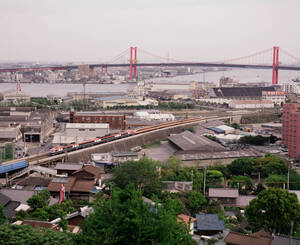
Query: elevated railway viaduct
point(124, 144)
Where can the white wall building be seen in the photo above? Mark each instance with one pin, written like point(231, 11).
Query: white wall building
point(292, 88)
point(86, 129)
point(154, 115)
point(78, 132)
point(277, 97)
point(250, 104)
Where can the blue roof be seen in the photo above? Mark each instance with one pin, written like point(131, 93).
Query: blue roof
point(13, 166)
point(218, 130)
point(209, 222)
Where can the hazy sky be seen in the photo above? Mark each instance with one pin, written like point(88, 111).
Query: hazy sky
point(94, 30)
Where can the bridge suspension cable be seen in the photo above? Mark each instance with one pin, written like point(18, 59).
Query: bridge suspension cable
point(290, 55)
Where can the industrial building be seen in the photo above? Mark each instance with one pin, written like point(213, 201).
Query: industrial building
point(250, 104)
point(79, 132)
point(277, 97)
point(290, 129)
point(10, 133)
point(15, 96)
point(240, 93)
point(154, 116)
point(36, 125)
point(115, 121)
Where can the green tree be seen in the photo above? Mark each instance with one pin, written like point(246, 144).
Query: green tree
point(243, 183)
point(143, 173)
point(274, 210)
point(235, 125)
point(172, 202)
point(39, 200)
point(196, 201)
point(294, 180)
point(271, 164)
point(240, 166)
point(276, 181)
point(220, 167)
point(24, 234)
point(125, 219)
point(54, 211)
point(2, 215)
point(214, 178)
point(171, 168)
point(8, 152)
point(259, 188)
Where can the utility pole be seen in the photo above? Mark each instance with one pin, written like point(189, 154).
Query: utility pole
point(291, 232)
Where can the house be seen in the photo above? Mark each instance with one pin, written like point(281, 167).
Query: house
point(76, 189)
point(226, 196)
point(33, 183)
point(88, 173)
point(230, 197)
point(36, 224)
point(80, 185)
point(67, 168)
point(114, 158)
point(208, 224)
point(120, 157)
point(9, 206)
point(258, 238)
point(14, 200)
point(188, 221)
point(76, 218)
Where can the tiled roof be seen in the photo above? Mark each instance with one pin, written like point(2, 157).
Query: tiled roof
point(92, 170)
point(35, 181)
point(9, 209)
point(243, 201)
point(186, 219)
point(223, 192)
point(235, 238)
point(83, 186)
point(17, 195)
point(209, 222)
point(39, 224)
point(4, 199)
point(68, 166)
point(55, 184)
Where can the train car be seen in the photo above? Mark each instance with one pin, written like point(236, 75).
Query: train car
point(98, 140)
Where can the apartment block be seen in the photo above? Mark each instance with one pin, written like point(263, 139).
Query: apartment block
point(291, 128)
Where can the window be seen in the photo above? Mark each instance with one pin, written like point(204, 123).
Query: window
point(81, 129)
point(92, 129)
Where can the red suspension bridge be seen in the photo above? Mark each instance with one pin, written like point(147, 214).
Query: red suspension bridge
point(251, 61)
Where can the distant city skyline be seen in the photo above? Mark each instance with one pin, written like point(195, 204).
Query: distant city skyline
point(202, 30)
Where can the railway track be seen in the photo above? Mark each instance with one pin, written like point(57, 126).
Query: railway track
point(45, 157)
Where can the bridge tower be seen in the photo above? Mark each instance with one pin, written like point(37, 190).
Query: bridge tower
point(133, 62)
point(275, 65)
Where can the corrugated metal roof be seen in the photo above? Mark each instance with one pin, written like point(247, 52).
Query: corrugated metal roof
point(13, 166)
point(189, 141)
point(218, 130)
